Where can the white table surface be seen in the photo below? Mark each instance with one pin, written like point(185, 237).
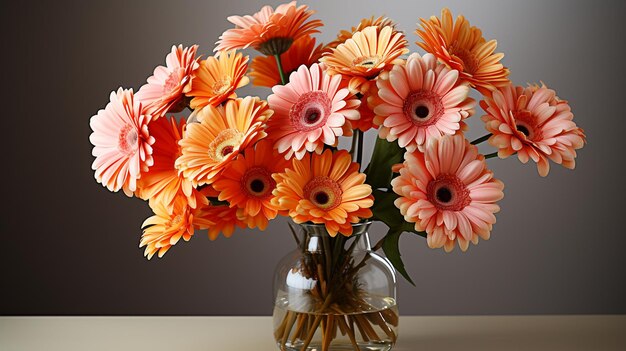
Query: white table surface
point(255, 333)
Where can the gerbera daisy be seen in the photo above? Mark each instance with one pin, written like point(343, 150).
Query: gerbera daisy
point(448, 192)
point(166, 228)
point(421, 100)
point(302, 52)
point(165, 89)
point(311, 111)
point(344, 35)
point(247, 183)
point(362, 57)
point(222, 131)
point(122, 142)
point(534, 123)
point(217, 79)
point(163, 182)
point(223, 220)
point(269, 31)
point(463, 48)
point(324, 189)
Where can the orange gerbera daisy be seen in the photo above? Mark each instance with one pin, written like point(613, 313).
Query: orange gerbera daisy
point(269, 31)
point(362, 57)
point(324, 189)
point(163, 182)
point(534, 123)
point(366, 110)
point(166, 228)
point(166, 88)
point(344, 35)
point(121, 142)
point(217, 79)
point(448, 192)
point(247, 183)
point(302, 52)
point(223, 220)
point(208, 146)
point(463, 48)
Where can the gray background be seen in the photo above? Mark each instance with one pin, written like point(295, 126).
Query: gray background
point(70, 247)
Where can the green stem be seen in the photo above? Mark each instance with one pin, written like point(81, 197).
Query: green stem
point(359, 153)
point(481, 139)
point(279, 64)
point(491, 155)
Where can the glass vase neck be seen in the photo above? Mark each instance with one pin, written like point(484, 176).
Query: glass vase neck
point(316, 237)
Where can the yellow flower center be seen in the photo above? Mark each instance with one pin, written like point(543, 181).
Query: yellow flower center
point(224, 144)
point(323, 192)
point(367, 62)
point(222, 86)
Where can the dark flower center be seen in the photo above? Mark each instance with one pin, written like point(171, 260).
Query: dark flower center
point(322, 198)
point(421, 111)
point(257, 185)
point(227, 150)
point(312, 115)
point(444, 195)
point(523, 129)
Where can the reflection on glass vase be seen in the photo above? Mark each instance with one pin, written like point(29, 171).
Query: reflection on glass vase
point(334, 293)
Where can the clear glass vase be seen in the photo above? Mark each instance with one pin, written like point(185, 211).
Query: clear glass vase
point(334, 293)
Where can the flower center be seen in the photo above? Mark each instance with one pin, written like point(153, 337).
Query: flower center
point(173, 80)
point(224, 144)
point(469, 61)
point(525, 124)
point(423, 108)
point(222, 86)
point(258, 182)
point(448, 192)
point(128, 140)
point(323, 192)
point(367, 62)
point(310, 111)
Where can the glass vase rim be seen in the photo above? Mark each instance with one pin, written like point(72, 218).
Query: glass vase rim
point(317, 229)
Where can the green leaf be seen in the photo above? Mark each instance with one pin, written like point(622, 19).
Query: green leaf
point(386, 211)
point(385, 155)
point(392, 251)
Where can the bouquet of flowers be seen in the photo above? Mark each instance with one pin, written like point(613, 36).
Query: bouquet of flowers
point(242, 161)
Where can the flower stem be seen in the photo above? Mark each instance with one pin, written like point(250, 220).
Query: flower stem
point(359, 153)
point(481, 139)
point(491, 155)
point(279, 65)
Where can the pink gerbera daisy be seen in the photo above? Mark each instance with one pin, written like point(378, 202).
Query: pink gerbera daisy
point(310, 111)
point(166, 88)
point(448, 192)
point(122, 142)
point(534, 123)
point(421, 100)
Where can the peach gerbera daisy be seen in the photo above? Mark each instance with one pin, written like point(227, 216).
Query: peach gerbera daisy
point(534, 123)
point(122, 142)
point(421, 100)
point(269, 31)
point(302, 52)
point(344, 35)
point(165, 89)
point(311, 110)
point(163, 182)
point(166, 228)
point(247, 183)
point(448, 192)
point(324, 189)
point(217, 79)
point(463, 48)
point(361, 58)
point(208, 146)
